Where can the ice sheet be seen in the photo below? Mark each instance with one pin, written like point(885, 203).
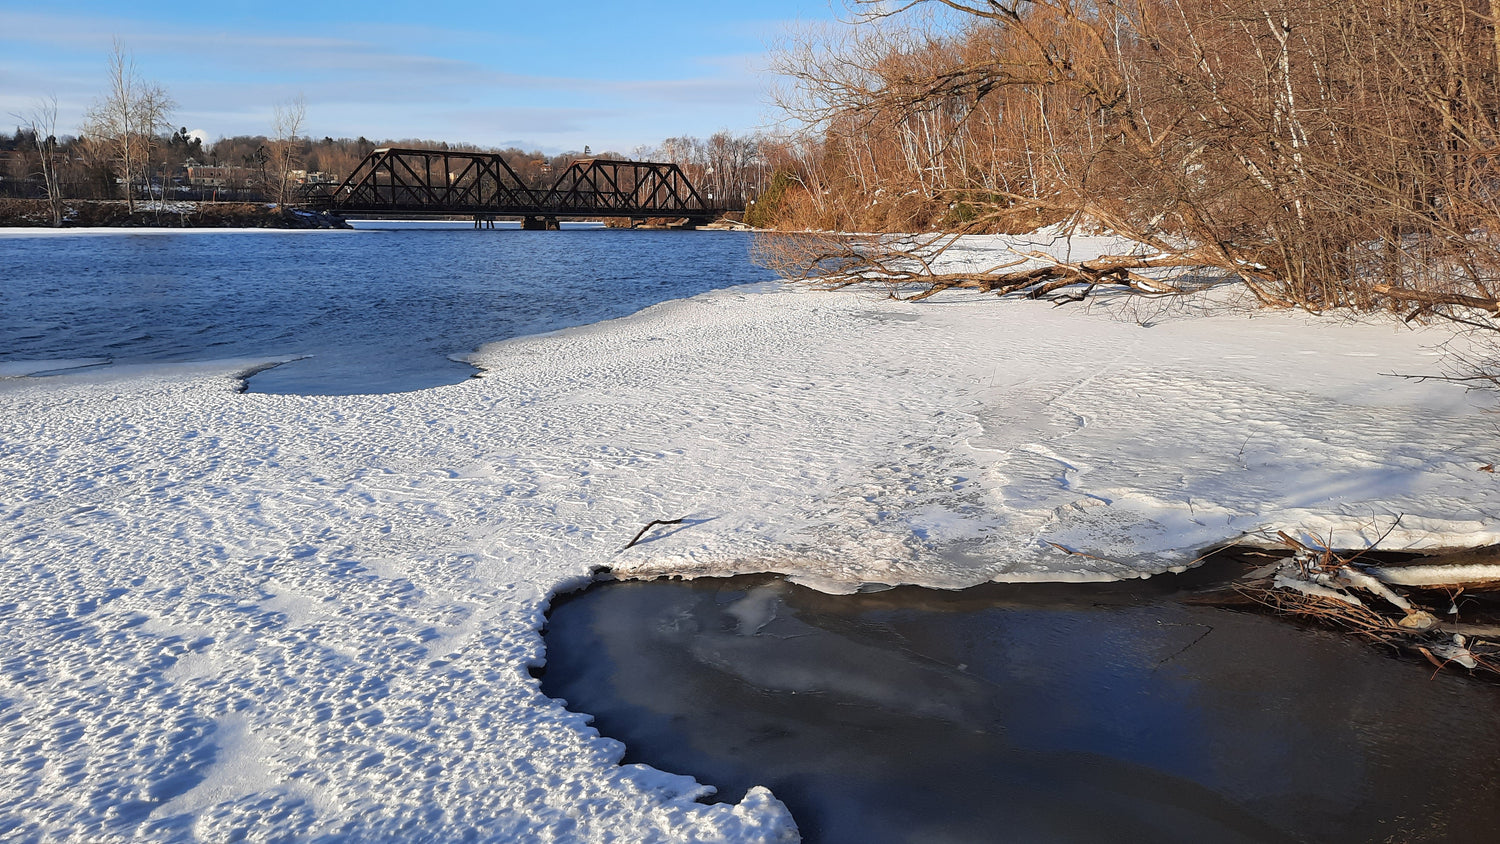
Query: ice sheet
point(314, 615)
point(21, 368)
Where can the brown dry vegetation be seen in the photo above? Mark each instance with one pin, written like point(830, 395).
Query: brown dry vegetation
point(1329, 153)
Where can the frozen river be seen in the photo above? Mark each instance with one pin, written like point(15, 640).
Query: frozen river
point(277, 616)
point(382, 309)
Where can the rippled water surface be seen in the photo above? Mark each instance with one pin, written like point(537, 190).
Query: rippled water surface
point(380, 309)
point(1029, 712)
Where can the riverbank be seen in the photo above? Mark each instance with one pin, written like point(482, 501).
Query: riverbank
point(304, 616)
point(91, 213)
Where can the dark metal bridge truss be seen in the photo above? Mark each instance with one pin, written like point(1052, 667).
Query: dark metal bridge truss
point(482, 185)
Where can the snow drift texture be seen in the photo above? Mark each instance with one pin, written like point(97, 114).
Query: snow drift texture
point(285, 616)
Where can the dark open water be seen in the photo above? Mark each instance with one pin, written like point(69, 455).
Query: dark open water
point(378, 310)
point(1029, 713)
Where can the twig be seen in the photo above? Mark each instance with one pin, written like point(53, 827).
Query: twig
point(651, 524)
point(1070, 552)
point(1201, 637)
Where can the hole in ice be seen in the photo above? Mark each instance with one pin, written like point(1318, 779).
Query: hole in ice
point(1067, 712)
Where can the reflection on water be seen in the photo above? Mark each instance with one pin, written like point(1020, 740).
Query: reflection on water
point(375, 311)
point(1029, 713)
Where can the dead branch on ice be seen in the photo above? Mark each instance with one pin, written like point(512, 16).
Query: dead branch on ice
point(649, 525)
point(916, 267)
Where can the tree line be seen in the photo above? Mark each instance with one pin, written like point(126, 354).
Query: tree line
point(127, 148)
point(1328, 153)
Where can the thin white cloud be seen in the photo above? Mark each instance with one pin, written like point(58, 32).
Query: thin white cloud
point(356, 83)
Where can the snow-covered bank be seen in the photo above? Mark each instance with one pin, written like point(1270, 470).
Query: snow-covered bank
point(1018, 441)
point(144, 231)
point(307, 616)
point(31, 214)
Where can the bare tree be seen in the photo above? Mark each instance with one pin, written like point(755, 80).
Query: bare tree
point(1330, 154)
point(731, 169)
point(121, 125)
point(155, 111)
point(284, 148)
point(41, 122)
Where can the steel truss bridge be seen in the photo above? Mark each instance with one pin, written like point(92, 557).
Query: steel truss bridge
point(430, 182)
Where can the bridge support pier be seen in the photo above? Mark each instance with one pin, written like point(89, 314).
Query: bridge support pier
point(484, 221)
point(537, 223)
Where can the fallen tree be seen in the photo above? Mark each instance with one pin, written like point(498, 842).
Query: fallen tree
point(920, 266)
point(912, 267)
point(1413, 607)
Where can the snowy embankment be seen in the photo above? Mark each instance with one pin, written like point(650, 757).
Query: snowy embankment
point(303, 616)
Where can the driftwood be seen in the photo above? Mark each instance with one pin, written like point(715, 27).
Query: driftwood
point(1488, 555)
point(651, 524)
point(915, 267)
point(1425, 300)
point(1340, 590)
point(911, 267)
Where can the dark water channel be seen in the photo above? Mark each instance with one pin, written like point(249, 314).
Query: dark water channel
point(1112, 712)
point(379, 310)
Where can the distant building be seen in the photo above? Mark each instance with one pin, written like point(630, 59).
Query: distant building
point(316, 177)
point(216, 177)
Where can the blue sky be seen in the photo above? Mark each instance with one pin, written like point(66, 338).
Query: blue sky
point(554, 76)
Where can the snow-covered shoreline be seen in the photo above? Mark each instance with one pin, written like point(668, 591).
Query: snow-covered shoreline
point(314, 616)
point(146, 231)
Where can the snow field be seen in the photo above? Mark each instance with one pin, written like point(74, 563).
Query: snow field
point(286, 617)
